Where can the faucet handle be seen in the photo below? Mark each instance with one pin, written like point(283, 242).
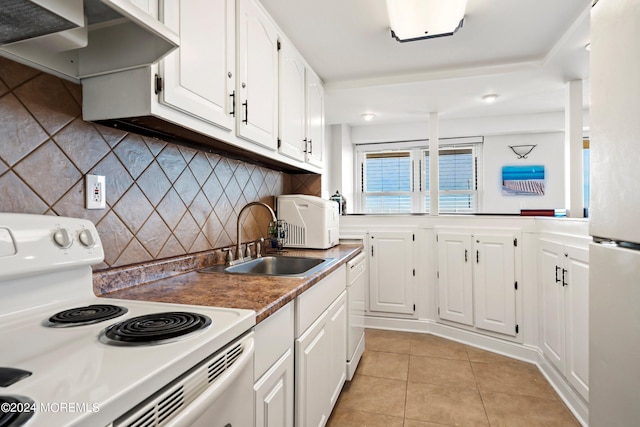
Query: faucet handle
point(259, 247)
point(229, 255)
point(248, 250)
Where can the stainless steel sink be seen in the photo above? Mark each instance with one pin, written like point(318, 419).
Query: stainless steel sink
point(275, 266)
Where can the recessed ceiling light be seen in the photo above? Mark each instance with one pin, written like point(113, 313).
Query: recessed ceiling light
point(490, 98)
point(368, 116)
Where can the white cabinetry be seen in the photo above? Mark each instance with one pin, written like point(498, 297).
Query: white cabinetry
point(477, 279)
point(274, 370)
point(315, 119)
point(199, 76)
point(564, 281)
point(257, 75)
point(301, 109)
point(292, 141)
point(392, 273)
point(320, 349)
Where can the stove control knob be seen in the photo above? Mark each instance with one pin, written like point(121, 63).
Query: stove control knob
point(62, 238)
point(86, 239)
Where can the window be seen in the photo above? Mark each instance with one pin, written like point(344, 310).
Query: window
point(387, 183)
point(397, 181)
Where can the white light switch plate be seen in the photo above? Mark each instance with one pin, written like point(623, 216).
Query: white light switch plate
point(95, 191)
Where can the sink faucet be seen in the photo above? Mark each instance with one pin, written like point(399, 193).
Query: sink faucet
point(239, 228)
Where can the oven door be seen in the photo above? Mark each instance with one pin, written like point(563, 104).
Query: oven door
point(217, 393)
point(226, 403)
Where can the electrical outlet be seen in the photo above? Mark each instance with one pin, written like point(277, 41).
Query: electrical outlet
point(95, 190)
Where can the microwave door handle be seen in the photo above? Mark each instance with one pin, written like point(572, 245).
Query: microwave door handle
point(196, 408)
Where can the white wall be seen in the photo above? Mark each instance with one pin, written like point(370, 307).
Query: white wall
point(341, 163)
point(549, 152)
point(545, 130)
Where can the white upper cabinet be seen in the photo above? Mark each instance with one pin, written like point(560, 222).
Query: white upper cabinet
point(257, 76)
point(199, 76)
point(292, 104)
point(301, 109)
point(315, 119)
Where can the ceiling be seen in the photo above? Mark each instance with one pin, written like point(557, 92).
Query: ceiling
point(523, 50)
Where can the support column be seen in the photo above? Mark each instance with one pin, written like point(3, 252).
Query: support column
point(434, 184)
point(574, 190)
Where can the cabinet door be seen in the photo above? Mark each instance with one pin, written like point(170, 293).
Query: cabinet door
point(391, 275)
point(313, 350)
point(338, 360)
point(455, 288)
point(199, 75)
point(274, 394)
point(494, 283)
point(552, 299)
point(292, 104)
point(576, 265)
point(315, 119)
point(257, 76)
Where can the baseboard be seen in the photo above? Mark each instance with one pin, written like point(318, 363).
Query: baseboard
point(568, 395)
point(524, 352)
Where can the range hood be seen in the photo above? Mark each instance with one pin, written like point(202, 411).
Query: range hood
point(82, 38)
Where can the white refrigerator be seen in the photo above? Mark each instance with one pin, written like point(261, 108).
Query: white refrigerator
point(614, 257)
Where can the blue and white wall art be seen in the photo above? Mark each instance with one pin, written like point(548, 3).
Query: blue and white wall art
point(523, 180)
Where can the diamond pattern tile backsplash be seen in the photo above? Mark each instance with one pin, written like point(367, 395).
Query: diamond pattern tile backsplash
point(163, 200)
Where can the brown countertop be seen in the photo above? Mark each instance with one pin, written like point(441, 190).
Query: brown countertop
point(263, 294)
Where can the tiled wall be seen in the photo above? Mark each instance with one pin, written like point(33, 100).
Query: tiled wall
point(163, 200)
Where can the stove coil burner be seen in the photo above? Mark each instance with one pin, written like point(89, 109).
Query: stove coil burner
point(157, 328)
point(15, 410)
point(88, 315)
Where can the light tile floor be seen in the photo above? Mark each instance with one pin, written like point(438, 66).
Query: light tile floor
point(419, 380)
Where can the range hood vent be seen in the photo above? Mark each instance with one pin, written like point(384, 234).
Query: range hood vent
point(23, 19)
point(80, 38)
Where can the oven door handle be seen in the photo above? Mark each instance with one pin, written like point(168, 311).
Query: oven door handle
point(196, 408)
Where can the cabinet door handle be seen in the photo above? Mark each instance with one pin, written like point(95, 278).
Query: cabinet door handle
point(557, 278)
point(466, 255)
point(564, 282)
point(477, 257)
point(306, 144)
point(245, 104)
point(233, 104)
point(310, 146)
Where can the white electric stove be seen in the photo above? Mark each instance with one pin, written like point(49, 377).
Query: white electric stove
point(126, 362)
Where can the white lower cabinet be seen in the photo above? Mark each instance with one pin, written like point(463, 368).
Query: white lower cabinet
point(320, 348)
point(337, 321)
point(273, 370)
point(312, 374)
point(564, 280)
point(391, 271)
point(477, 282)
point(274, 394)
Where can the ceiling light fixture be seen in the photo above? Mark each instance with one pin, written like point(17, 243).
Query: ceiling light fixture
point(424, 19)
point(368, 116)
point(490, 98)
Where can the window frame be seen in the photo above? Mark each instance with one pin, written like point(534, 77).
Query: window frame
point(419, 191)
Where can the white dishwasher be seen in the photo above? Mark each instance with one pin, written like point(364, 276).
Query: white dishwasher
point(356, 282)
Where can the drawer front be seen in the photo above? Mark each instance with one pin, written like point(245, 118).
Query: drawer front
point(273, 336)
point(315, 300)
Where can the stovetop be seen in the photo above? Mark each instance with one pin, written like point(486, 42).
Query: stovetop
point(73, 377)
